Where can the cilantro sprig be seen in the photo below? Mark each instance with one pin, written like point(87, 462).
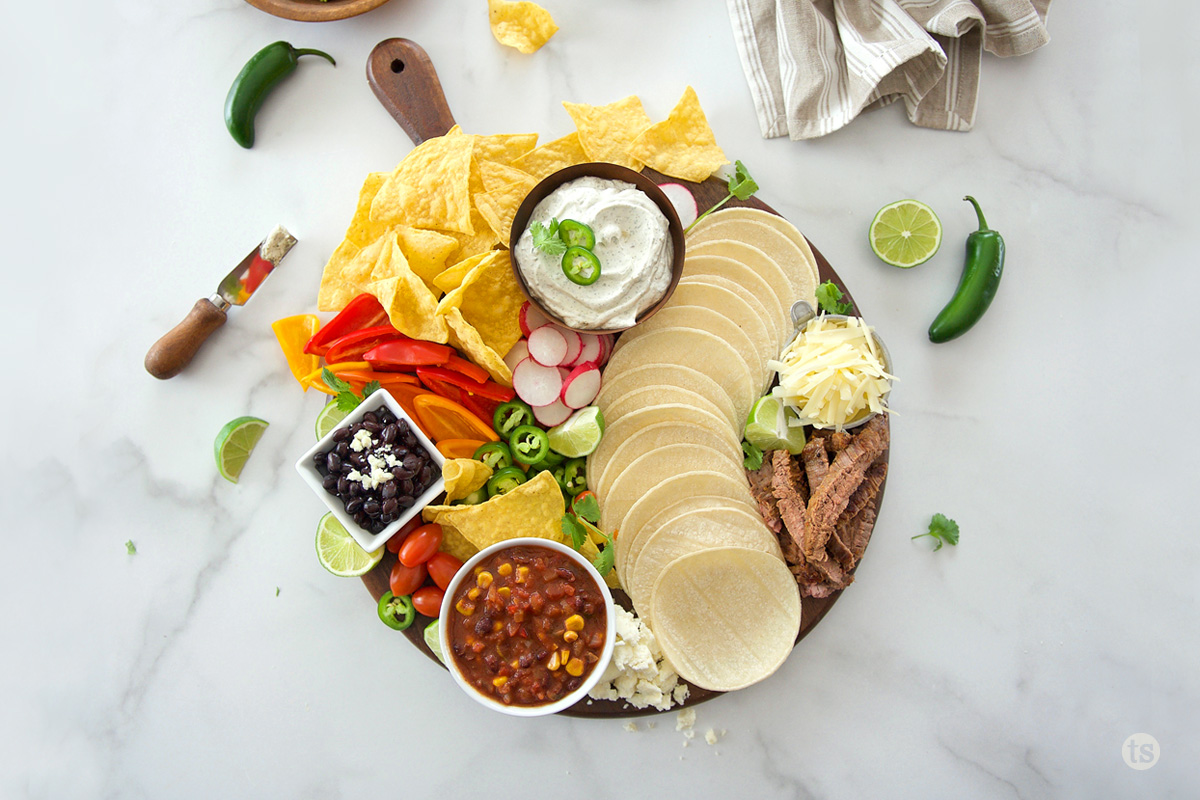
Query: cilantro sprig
point(546, 238)
point(753, 455)
point(943, 530)
point(829, 298)
point(740, 185)
point(578, 523)
point(346, 398)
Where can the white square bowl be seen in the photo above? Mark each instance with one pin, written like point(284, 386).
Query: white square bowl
point(308, 471)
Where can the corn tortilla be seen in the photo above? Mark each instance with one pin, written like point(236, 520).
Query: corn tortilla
point(617, 384)
point(651, 439)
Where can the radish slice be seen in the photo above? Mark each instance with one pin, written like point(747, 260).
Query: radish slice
point(685, 203)
point(518, 353)
point(547, 346)
point(592, 349)
point(531, 319)
point(607, 341)
point(553, 414)
point(535, 384)
point(581, 386)
point(574, 348)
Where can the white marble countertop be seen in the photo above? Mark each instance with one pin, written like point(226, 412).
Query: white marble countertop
point(222, 661)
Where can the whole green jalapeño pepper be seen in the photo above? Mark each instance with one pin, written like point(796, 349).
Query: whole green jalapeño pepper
point(262, 72)
point(976, 287)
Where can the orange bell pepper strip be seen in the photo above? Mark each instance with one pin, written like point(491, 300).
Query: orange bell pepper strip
point(315, 380)
point(293, 333)
point(441, 418)
point(459, 448)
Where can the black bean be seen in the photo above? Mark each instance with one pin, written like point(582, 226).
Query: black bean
point(391, 506)
point(333, 462)
point(330, 483)
point(483, 626)
point(405, 500)
point(407, 487)
point(342, 449)
point(389, 433)
point(402, 424)
point(343, 486)
point(373, 427)
point(359, 460)
point(525, 661)
point(353, 505)
point(372, 507)
point(341, 434)
point(426, 475)
point(356, 488)
point(369, 417)
point(385, 415)
point(389, 490)
point(409, 439)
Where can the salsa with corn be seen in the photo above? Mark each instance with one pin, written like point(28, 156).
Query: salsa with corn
point(528, 626)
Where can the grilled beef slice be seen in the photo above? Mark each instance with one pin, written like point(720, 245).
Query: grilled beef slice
point(786, 480)
point(760, 489)
point(816, 462)
point(830, 498)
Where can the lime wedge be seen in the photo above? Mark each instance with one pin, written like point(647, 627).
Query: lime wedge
point(434, 640)
point(580, 434)
point(329, 418)
point(339, 553)
point(905, 233)
point(234, 444)
point(768, 429)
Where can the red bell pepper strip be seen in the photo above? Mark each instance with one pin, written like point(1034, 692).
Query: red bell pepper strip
point(364, 311)
point(402, 355)
point(473, 371)
point(489, 389)
point(477, 405)
point(355, 344)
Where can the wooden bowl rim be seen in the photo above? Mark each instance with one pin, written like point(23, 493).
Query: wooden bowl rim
point(598, 169)
point(313, 11)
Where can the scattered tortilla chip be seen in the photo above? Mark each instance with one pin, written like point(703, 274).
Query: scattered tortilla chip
point(490, 301)
point(503, 148)
point(472, 244)
point(465, 338)
point(362, 231)
point(496, 175)
point(608, 132)
point(411, 307)
point(429, 188)
point(683, 145)
point(535, 508)
point(463, 476)
point(552, 156)
point(523, 25)
point(499, 204)
point(425, 250)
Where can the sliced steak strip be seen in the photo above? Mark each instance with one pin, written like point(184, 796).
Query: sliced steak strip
point(816, 462)
point(856, 531)
point(760, 488)
point(866, 491)
point(830, 498)
point(785, 477)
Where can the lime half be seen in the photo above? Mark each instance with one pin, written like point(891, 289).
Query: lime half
point(329, 418)
point(580, 434)
point(434, 640)
point(767, 427)
point(339, 553)
point(235, 443)
point(905, 233)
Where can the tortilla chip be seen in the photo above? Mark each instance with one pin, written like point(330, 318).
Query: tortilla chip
point(490, 301)
point(523, 25)
point(454, 543)
point(535, 508)
point(429, 188)
point(411, 307)
point(552, 156)
point(425, 250)
point(463, 476)
point(499, 205)
point(465, 338)
point(607, 132)
point(335, 292)
point(495, 175)
point(452, 277)
point(683, 145)
point(503, 148)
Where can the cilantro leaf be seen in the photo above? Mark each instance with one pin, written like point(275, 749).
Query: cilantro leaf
point(572, 528)
point(604, 562)
point(829, 298)
point(754, 455)
point(943, 530)
point(130, 547)
point(334, 382)
point(587, 507)
point(347, 400)
point(740, 185)
point(371, 388)
point(546, 238)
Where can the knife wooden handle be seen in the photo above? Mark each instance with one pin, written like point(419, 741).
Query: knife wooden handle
point(403, 78)
point(170, 354)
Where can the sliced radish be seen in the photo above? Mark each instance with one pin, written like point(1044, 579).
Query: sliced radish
point(553, 414)
point(518, 353)
point(547, 345)
point(581, 386)
point(574, 347)
point(607, 341)
point(535, 384)
point(684, 201)
point(592, 348)
point(531, 319)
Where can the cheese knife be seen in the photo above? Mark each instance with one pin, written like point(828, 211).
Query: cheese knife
point(170, 354)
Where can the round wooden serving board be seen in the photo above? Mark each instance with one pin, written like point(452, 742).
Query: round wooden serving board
point(407, 85)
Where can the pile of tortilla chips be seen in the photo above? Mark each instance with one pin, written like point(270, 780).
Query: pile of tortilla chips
point(424, 238)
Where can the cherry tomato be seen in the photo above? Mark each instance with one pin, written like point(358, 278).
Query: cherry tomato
point(428, 600)
point(442, 568)
point(393, 544)
point(406, 580)
point(421, 544)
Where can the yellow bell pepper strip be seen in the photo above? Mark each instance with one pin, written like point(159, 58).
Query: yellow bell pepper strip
point(441, 418)
point(293, 333)
point(313, 379)
point(459, 448)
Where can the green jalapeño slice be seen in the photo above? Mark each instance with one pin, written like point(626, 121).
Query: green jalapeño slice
point(581, 266)
point(576, 234)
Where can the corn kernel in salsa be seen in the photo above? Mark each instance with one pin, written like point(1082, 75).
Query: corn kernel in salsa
point(534, 631)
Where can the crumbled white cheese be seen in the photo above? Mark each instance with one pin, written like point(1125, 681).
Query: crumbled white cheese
point(685, 720)
point(373, 479)
point(361, 441)
point(712, 737)
point(631, 726)
point(639, 673)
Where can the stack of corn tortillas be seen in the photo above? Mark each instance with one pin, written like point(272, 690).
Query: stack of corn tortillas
point(692, 551)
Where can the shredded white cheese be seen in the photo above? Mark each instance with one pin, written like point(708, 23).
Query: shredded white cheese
point(833, 373)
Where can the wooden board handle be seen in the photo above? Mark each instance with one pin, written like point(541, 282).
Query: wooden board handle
point(170, 354)
point(404, 80)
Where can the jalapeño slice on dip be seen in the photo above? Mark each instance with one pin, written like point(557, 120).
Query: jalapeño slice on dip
point(527, 627)
point(632, 245)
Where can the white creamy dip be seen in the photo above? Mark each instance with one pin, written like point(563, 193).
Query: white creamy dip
point(632, 244)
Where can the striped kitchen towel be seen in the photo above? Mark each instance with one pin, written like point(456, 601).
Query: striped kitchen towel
point(814, 65)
